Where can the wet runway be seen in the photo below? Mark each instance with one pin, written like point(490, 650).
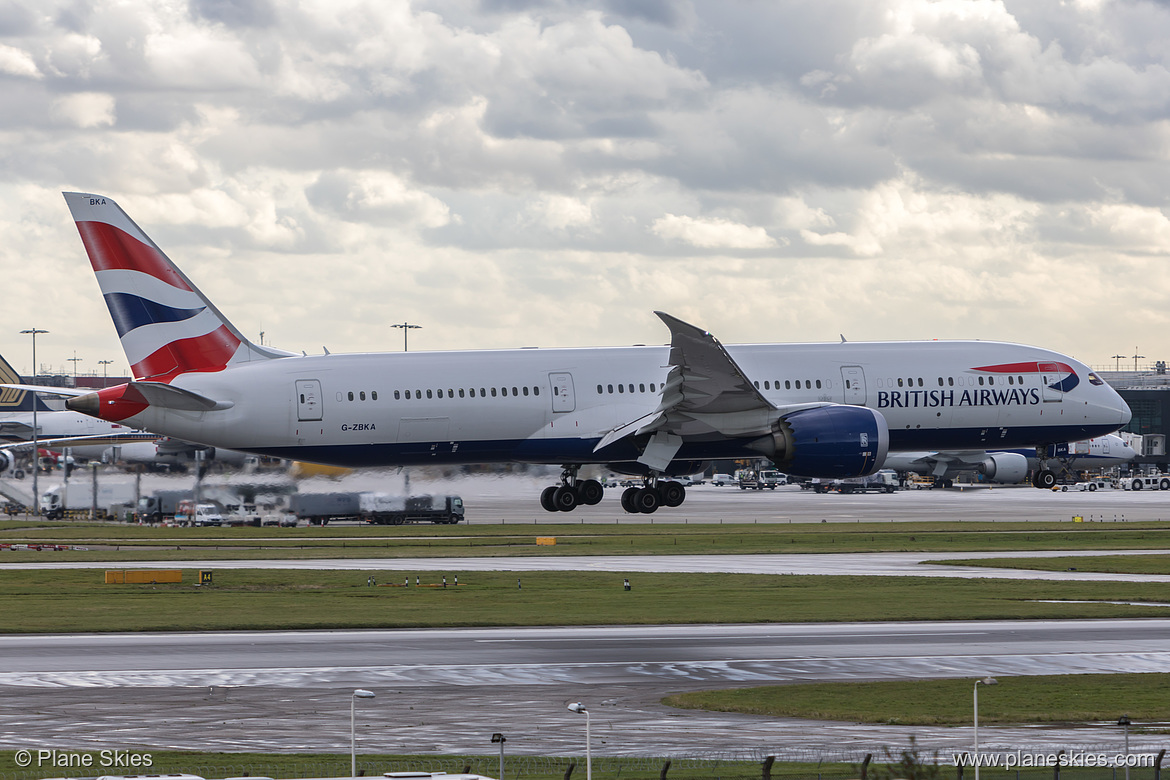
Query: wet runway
point(446, 691)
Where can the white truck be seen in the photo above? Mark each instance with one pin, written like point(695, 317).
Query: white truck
point(201, 516)
point(79, 497)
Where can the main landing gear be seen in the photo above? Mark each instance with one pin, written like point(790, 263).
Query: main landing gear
point(566, 496)
point(647, 499)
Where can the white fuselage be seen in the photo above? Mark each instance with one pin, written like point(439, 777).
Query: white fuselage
point(555, 405)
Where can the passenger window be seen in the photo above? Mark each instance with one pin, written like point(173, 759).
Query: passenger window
point(302, 397)
point(482, 393)
point(899, 383)
point(536, 391)
point(362, 395)
point(920, 381)
point(429, 394)
point(651, 387)
point(757, 384)
point(980, 380)
point(608, 386)
point(951, 381)
point(767, 385)
point(514, 391)
point(351, 395)
point(461, 392)
point(397, 395)
point(373, 395)
point(493, 392)
point(526, 390)
point(621, 388)
point(450, 393)
point(504, 391)
point(641, 387)
point(818, 384)
point(787, 384)
point(599, 389)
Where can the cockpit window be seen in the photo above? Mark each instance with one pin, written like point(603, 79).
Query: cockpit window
point(1094, 379)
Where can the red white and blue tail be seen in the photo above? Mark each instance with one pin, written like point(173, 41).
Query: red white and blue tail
point(167, 326)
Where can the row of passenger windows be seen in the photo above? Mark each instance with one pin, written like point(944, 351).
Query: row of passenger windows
point(624, 388)
point(950, 381)
point(806, 384)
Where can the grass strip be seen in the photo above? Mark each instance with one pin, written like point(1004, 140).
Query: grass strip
point(40, 601)
point(1046, 699)
point(1111, 564)
point(144, 543)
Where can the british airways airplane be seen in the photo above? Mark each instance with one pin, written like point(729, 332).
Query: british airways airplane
point(818, 410)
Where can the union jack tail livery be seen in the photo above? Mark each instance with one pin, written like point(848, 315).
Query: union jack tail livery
point(167, 326)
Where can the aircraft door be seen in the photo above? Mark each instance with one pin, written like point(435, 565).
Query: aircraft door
point(854, 380)
point(308, 399)
point(563, 398)
point(1049, 378)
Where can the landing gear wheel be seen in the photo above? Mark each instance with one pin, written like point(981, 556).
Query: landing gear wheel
point(565, 498)
point(19, 473)
point(628, 500)
point(590, 492)
point(647, 500)
point(1045, 479)
point(546, 498)
point(672, 493)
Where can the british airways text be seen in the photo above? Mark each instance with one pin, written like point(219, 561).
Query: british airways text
point(929, 399)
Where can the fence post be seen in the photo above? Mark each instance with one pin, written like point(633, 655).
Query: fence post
point(569, 770)
point(1158, 764)
point(768, 761)
point(665, 769)
point(865, 765)
point(960, 773)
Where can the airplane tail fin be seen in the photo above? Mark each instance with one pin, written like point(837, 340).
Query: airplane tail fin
point(16, 400)
point(167, 326)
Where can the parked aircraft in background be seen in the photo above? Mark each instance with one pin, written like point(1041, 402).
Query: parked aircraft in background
point(819, 410)
point(87, 436)
point(1011, 466)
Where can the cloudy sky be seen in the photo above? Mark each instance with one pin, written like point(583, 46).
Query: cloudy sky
point(547, 173)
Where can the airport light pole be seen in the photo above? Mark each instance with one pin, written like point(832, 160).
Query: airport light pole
point(105, 364)
point(36, 459)
point(358, 694)
point(498, 737)
point(985, 681)
point(1135, 357)
point(1117, 361)
point(75, 360)
point(1125, 721)
point(579, 707)
point(406, 328)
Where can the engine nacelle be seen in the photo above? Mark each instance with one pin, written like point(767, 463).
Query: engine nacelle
point(7, 461)
point(1005, 467)
point(829, 441)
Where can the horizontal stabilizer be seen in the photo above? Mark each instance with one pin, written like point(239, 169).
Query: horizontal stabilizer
point(64, 392)
point(171, 397)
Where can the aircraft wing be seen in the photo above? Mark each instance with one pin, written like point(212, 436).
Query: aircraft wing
point(91, 440)
point(937, 464)
point(706, 396)
point(67, 392)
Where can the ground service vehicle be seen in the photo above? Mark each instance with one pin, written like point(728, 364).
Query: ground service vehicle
point(384, 509)
point(78, 497)
point(719, 480)
point(203, 515)
point(885, 481)
point(161, 504)
point(320, 508)
point(1094, 485)
point(772, 479)
point(1146, 482)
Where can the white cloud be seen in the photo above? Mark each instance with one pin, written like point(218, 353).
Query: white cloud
point(17, 62)
point(86, 109)
point(712, 233)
